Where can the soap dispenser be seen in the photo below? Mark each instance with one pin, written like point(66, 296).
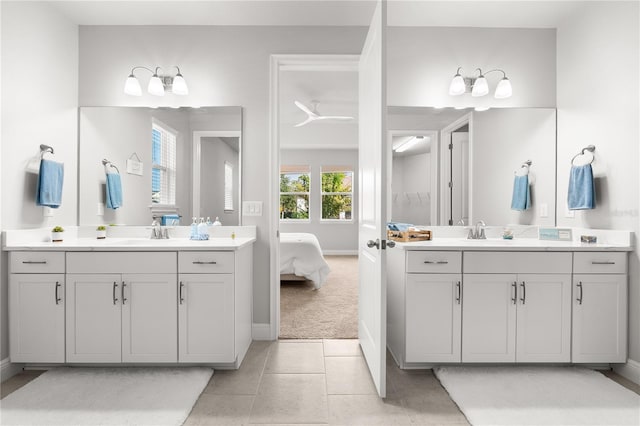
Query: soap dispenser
point(209, 221)
point(217, 222)
point(193, 235)
point(203, 232)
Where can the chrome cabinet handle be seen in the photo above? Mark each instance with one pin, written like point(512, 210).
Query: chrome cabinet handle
point(57, 295)
point(523, 299)
point(595, 262)
point(436, 262)
point(200, 262)
point(124, 299)
point(579, 299)
point(459, 291)
point(514, 292)
point(34, 262)
point(115, 287)
point(180, 296)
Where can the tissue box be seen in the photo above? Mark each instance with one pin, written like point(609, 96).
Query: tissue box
point(408, 236)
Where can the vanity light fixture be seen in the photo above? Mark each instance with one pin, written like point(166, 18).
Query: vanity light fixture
point(478, 86)
point(158, 84)
point(404, 146)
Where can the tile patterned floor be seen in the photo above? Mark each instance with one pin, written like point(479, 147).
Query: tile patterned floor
point(315, 382)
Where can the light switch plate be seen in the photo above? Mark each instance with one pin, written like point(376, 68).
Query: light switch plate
point(544, 210)
point(569, 213)
point(47, 211)
point(252, 208)
point(100, 209)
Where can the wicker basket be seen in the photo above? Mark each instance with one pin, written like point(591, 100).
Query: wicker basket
point(408, 236)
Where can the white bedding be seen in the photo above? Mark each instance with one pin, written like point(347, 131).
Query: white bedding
point(300, 254)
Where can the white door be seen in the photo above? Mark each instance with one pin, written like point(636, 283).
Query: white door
point(205, 317)
point(599, 318)
point(434, 316)
point(372, 296)
point(489, 318)
point(459, 177)
point(149, 318)
point(93, 318)
point(544, 318)
point(36, 317)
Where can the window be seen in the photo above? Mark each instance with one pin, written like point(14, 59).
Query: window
point(337, 193)
point(228, 187)
point(163, 167)
point(294, 192)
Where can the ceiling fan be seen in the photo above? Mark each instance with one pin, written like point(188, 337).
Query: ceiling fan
point(313, 115)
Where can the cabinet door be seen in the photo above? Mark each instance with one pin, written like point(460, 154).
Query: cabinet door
point(93, 318)
point(433, 304)
point(489, 318)
point(205, 318)
point(36, 317)
point(149, 318)
point(599, 318)
point(544, 318)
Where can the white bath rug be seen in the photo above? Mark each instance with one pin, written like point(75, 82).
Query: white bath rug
point(539, 396)
point(106, 396)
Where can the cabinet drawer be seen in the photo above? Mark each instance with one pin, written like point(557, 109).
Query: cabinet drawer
point(600, 263)
point(36, 262)
point(206, 262)
point(517, 263)
point(125, 262)
point(434, 261)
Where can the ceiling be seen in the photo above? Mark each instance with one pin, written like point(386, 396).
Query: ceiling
point(471, 13)
point(428, 117)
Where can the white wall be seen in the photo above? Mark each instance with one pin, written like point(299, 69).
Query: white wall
point(421, 62)
point(318, 135)
point(411, 189)
point(39, 105)
point(332, 236)
point(501, 140)
point(214, 153)
point(223, 66)
point(598, 103)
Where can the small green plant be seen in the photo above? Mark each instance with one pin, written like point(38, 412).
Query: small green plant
point(57, 229)
point(101, 228)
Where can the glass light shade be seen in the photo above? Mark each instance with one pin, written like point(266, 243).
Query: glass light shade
point(132, 86)
point(480, 87)
point(457, 86)
point(504, 89)
point(179, 85)
point(155, 86)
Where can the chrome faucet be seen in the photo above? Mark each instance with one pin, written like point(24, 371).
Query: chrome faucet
point(477, 233)
point(157, 232)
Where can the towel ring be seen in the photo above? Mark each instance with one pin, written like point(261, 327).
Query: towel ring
point(524, 165)
point(590, 148)
point(106, 162)
point(44, 149)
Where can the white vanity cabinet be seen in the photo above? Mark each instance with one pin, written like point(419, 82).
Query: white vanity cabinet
point(599, 307)
point(121, 307)
point(214, 305)
point(517, 307)
point(36, 307)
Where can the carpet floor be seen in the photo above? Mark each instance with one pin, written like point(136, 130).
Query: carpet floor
point(328, 313)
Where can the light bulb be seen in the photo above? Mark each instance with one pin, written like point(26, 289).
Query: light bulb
point(132, 86)
point(179, 85)
point(504, 89)
point(457, 86)
point(155, 86)
point(480, 87)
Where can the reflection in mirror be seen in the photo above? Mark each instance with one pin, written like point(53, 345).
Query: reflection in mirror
point(172, 161)
point(466, 171)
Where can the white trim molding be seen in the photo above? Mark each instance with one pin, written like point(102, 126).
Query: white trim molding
point(340, 252)
point(261, 331)
point(630, 370)
point(9, 369)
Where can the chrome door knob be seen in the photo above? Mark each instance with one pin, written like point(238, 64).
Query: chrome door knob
point(391, 244)
point(372, 244)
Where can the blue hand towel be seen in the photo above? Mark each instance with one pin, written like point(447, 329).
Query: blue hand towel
point(49, 188)
point(170, 220)
point(396, 226)
point(114, 191)
point(521, 198)
point(582, 193)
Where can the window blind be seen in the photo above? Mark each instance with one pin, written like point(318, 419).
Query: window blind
point(163, 158)
point(228, 186)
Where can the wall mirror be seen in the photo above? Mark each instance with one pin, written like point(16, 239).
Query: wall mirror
point(185, 161)
point(457, 166)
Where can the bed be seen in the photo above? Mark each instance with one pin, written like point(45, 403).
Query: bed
point(301, 258)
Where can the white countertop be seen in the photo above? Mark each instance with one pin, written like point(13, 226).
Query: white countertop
point(516, 244)
point(133, 244)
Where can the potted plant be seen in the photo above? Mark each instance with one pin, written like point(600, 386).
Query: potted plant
point(101, 232)
point(56, 234)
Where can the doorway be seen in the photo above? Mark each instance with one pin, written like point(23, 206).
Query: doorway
point(315, 163)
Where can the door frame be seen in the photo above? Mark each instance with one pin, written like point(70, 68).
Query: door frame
point(444, 197)
point(286, 62)
point(435, 155)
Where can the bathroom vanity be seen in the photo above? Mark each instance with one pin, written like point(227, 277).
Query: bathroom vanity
point(131, 300)
point(498, 301)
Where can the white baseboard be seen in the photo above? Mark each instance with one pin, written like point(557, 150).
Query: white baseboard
point(261, 331)
point(340, 252)
point(630, 370)
point(9, 369)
